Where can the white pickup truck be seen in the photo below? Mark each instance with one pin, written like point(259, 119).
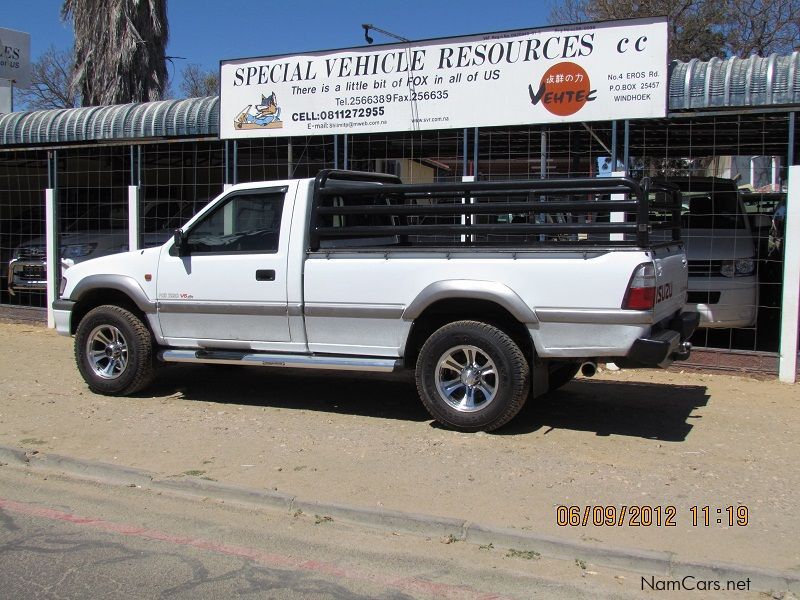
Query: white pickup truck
point(491, 291)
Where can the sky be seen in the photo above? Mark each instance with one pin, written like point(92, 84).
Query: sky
point(205, 32)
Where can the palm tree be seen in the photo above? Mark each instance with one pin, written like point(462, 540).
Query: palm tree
point(119, 49)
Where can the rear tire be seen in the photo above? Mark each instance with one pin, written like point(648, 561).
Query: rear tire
point(114, 351)
point(472, 376)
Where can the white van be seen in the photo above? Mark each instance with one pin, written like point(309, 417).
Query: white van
point(723, 283)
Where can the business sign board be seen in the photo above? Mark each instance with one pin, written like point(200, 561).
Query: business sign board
point(587, 72)
point(15, 57)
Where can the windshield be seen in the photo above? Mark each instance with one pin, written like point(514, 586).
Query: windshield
point(156, 217)
point(710, 205)
point(99, 217)
point(707, 210)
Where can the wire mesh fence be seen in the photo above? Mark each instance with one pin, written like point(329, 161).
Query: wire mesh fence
point(175, 181)
point(731, 167)
point(735, 270)
point(92, 200)
point(23, 179)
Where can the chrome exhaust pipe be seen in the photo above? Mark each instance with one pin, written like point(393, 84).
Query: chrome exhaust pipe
point(589, 368)
point(683, 352)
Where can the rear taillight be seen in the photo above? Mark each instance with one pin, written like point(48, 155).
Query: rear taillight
point(641, 293)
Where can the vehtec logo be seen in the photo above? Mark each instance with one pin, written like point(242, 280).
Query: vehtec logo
point(564, 89)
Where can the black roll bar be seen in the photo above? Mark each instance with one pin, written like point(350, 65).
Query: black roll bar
point(337, 193)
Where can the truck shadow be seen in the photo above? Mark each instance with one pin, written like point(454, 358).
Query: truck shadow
point(384, 396)
point(644, 410)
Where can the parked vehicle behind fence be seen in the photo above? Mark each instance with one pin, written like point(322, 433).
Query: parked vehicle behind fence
point(723, 280)
point(99, 231)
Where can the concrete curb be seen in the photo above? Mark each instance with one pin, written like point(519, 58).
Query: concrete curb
point(227, 492)
point(390, 520)
point(664, 565)
point(87, 469)
point(651, 562)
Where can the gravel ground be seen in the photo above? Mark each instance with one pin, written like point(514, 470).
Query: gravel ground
point(633, 438)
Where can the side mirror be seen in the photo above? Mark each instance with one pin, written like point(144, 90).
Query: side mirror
point(180, 243)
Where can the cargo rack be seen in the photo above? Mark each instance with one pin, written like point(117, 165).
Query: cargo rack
point(373, 210)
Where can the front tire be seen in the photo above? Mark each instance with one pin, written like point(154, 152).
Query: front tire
point(471, 376)
point(114, 351)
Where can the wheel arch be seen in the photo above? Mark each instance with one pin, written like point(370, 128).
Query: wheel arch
point(460, 308)
point(470, 289)
point(117, 290)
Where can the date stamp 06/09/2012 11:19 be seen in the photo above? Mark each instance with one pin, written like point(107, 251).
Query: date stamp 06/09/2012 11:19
point(643, 515)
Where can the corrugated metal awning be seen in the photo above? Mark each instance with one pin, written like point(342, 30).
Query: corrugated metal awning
point(735, 82)
point(166, 118)
point(694, 86)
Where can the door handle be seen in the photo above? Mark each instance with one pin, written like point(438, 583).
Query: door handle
point(265, 275)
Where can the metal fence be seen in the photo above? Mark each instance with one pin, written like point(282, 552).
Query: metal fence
point(733, 240)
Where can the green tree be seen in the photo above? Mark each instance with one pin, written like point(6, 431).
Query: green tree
point(119, 49)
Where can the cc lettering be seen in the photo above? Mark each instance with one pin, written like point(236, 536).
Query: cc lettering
point(639, 45)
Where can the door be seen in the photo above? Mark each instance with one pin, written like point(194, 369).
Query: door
point(231, 287)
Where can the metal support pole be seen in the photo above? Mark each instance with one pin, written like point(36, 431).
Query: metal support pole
point(289, 158)
point(345, 152)
point(133, 204)
point(465, 170)
point(790, 305)
point(467, 177)
point(475, 148)
point(540, 218)
point(626, 152)
point(133, 217)
point(51, 235)
point(336, 151)
point(617, 217)
point(133, 166)
point(235, 174)
point(543, 153)
point(790, 149)
point(226, 161)
point(614, 146)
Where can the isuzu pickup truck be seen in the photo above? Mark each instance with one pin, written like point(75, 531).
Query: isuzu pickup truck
point(490, 291)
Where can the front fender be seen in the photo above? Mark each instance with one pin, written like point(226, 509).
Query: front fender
point(123, 283)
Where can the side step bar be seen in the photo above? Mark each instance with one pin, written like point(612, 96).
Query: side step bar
point(292, 361)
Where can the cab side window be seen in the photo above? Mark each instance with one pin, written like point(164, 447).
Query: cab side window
point(245, 222)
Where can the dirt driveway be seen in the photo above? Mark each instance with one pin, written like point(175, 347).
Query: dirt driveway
point(634, 439)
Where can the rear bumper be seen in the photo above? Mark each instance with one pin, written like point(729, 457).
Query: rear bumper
point(664, 345)
point(724, 302)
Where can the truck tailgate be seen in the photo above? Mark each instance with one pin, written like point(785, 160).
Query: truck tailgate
point(671, 280)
